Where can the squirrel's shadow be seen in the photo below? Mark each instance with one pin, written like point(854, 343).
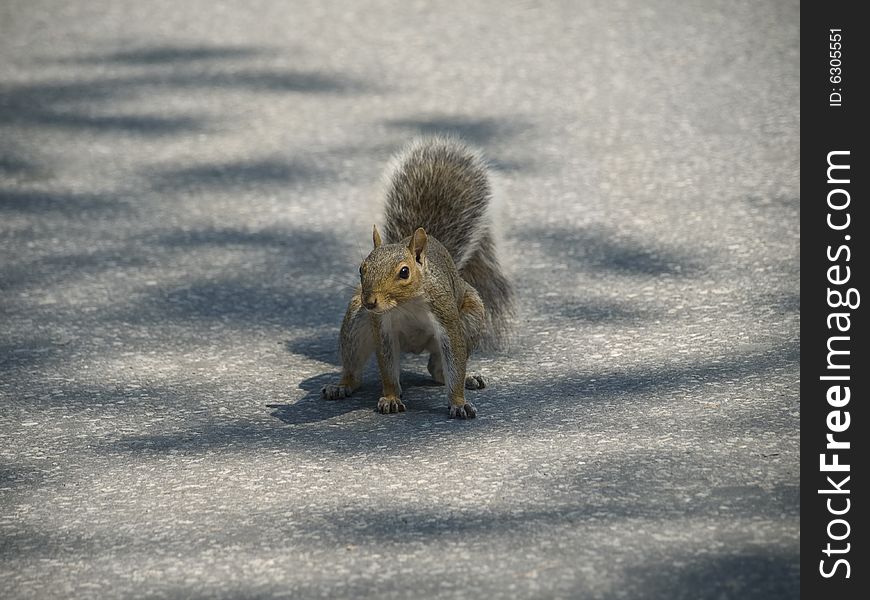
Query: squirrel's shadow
point(311, 408)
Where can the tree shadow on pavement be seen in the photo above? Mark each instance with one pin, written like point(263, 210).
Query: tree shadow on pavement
point(765, 574)
point(479, 131)
point(239, 174)
point(501, 407)
point(600, 248)
point(162, 54)
point(265, 288)
point(88, 103)
point(696, 567)
point(70, 205)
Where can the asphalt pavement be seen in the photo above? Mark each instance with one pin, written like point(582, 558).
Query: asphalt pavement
point(186, 191)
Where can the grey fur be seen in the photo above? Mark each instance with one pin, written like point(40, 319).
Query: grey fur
point(440, 184)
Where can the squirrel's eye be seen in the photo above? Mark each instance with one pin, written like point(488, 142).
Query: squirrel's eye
point(360, 270)
point(404, 273)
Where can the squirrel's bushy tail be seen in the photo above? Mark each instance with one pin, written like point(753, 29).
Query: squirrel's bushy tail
point(440, 184)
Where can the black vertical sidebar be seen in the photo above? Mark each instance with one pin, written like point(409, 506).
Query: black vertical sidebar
point(835, 168)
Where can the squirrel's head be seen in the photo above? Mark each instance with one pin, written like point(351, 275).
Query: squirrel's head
point(392, 273)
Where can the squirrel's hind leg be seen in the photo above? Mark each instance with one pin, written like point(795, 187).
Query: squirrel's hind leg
point(357, 346)
point(436, 370)
point(435, 367)
point(472, 318)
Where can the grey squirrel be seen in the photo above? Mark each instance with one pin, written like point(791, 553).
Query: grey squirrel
point(432, 282)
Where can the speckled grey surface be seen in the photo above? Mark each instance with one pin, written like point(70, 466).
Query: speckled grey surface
point(186, 189)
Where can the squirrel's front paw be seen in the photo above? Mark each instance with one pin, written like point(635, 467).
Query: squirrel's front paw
point(390, 405)
point(464, 411)
point(335, 392)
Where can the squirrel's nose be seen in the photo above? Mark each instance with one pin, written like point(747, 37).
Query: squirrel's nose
point(370, 302)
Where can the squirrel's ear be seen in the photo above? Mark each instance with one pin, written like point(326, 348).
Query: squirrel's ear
point(418, 244)
point(376, 237)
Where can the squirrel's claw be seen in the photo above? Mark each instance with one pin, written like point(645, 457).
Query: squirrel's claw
point(390, 405)
point(335, 392)
point(465, 411)
point(475, 382)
